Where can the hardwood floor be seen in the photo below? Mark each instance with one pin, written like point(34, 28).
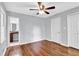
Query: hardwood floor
point(42, 48)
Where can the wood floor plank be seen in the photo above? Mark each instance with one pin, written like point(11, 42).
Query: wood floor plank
point(41, 48)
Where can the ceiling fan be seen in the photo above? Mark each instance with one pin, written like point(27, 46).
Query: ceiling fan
point(42, 8)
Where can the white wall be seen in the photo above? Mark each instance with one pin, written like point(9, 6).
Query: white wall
point(59, 30)
point(56, 30)
point(73, 30)
point(31, 28)
point(47, 29)
point(43, 26)
point(64, 25)
point(4, 44)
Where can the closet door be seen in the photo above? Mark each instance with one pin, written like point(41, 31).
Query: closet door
point(72, 21)
point(56, 30)
point(2, 28)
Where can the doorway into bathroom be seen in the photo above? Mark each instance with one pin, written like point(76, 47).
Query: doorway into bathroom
point(14, 35)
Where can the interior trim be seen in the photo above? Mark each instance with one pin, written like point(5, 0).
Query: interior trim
point(4, 51)
point(21, 43)
point(58, 43)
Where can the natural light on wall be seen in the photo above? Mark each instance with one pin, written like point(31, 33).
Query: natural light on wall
point(36, 37)
point(36, 33)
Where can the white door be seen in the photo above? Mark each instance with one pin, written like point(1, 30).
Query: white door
point(2, 29)
point(72, 21)
point(56, 30)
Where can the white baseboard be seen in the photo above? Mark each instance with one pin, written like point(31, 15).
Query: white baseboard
point(58, 43)
point(31, 41)
point(21, 43)
point(64, 45)
point(14, 44)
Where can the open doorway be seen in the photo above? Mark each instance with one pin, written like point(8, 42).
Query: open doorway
point(14, 33)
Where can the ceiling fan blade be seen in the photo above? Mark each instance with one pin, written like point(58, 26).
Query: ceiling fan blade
point(37, 13)
point(46, 12)
point(33, 9)
point(52, 7)
point(43, 7)
point(39, 4)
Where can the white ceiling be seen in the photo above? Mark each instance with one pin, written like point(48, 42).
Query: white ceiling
point(23, 7)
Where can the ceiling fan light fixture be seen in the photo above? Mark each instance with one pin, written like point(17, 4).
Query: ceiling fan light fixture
point(42, 9)
point(41, 12)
